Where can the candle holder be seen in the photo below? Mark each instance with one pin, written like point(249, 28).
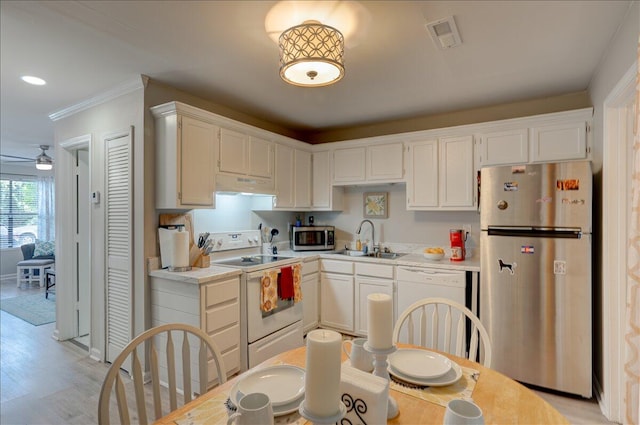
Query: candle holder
point(342, 411)
point(380, 369)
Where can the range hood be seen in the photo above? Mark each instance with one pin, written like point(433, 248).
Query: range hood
point(228, 183)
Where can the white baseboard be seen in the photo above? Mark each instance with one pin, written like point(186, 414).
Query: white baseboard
point(95, 354)
point(12, 276)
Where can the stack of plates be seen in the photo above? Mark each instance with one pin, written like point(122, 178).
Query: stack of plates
point(284, 384)
point(423, 367)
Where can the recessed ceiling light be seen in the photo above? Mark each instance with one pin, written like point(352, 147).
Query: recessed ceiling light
point(33, 80)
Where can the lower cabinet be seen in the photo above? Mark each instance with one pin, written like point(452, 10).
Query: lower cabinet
point(310, 296)
point(370, 279)
point(213, 307)
point(337, 295)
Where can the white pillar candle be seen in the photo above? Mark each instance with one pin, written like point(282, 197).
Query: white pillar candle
point(380, 321)
point(322, 375)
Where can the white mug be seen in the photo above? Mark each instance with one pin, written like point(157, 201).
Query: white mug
point(253, 409)
point(463, 412)
point(359, 357)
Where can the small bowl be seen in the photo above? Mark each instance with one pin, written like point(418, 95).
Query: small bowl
point(433, 256)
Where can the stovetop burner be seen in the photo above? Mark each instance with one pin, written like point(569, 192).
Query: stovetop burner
point(252, 260)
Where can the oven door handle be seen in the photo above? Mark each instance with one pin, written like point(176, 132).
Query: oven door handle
point(258, 274)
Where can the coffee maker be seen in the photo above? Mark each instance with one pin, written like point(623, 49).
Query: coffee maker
point(457, 238)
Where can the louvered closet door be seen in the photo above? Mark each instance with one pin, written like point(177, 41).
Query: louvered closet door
point(119, 242)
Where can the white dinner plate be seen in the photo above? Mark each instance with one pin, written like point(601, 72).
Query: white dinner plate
point(284, 384)
point(420, 364)
point(451, 377)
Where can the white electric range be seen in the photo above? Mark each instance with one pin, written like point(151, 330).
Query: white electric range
point(262, 335)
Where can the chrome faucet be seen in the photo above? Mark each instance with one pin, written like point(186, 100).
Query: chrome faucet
point(373, 232)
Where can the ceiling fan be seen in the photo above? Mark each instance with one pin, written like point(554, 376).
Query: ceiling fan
point(42, 161)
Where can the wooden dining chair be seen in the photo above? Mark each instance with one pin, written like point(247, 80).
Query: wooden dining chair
point(443, 325)
point(160, 369)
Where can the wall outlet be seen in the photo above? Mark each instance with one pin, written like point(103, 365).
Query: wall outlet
point(467, 228)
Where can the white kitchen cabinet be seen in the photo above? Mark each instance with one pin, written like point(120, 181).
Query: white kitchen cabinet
point(292, 179)
point(302, 179)
point(325, 196)
point(284, 198)
point(245, 155)
point(310, 295)
point(504, 147)
point(379, 163)
point(422, 175)
point(370, 279)
point(441, 174)
point(337, 295)
point(565, 141)
point(186, 149)
point(213, 307)
point(457, 180)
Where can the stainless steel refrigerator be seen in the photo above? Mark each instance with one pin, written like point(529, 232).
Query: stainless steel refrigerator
point(535, 292)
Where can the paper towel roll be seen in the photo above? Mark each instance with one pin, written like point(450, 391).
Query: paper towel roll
point(180, 249)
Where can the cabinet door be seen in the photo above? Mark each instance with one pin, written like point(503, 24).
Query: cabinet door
point(197, 156)
point(233, 152)
point(324, 196)
point(284, 177)
point(302, 179)
point(336, 302)
point(385, 162)
point(457, 183)
point(365, 287)
point(559, 142)
point(349, 165)
point(310, 313)
point(422, 175)
point(505, 147)
point(260, 158)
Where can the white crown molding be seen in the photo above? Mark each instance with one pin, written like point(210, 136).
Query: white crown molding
point(125, 88)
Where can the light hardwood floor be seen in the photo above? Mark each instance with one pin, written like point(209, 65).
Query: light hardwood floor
point(43, 381)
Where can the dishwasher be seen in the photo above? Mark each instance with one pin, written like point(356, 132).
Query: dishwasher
point(416, 283)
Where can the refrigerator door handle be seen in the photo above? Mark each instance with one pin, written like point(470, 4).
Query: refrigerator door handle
point(536, 232)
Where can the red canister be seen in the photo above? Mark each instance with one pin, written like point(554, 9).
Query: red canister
point(456, 239)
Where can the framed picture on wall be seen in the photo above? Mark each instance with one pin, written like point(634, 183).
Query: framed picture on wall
point(376, 204)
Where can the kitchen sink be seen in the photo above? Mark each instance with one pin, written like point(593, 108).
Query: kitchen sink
point(385, 255)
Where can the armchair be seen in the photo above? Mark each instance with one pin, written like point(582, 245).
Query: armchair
point(32, 269)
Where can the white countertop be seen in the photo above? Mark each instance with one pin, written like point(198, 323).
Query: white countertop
point(197, 275)
point(414, 260)
point(205, 275)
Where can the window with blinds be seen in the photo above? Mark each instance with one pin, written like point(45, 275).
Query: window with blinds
point(18, 211)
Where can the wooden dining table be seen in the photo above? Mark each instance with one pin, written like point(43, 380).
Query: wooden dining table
point(502, 400)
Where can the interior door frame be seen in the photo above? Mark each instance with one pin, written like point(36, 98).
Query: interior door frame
point(66, 326)
point(617, 141)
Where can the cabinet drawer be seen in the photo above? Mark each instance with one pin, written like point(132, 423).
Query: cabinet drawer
point(377, 270)
point(310, 267)
point(227, 338)
point(220, 292)
point(220, 317)
point(334, 266)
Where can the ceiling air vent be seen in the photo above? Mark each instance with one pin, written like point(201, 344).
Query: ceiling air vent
point(444, 33)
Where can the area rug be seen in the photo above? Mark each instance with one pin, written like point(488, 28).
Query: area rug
point(35, 309)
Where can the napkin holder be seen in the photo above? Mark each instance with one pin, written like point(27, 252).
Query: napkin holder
point(365, 396)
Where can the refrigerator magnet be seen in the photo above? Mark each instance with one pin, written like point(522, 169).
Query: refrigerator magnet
point(527, 249)
point(510, 186)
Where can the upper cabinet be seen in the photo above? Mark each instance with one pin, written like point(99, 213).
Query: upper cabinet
point(324, 196)
point(559, 142)
point(292, 178)
point(440, 174)
point(378, 163)
point(245, 155)
point(504, 147)
point(561, 136)
point(186, 148)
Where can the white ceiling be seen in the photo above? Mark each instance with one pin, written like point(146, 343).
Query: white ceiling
point(220, 51)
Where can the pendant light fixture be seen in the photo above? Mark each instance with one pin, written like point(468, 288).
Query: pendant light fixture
point(311, 55)
point(44, 161)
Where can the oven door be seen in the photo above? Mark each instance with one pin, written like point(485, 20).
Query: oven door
point(260, 324)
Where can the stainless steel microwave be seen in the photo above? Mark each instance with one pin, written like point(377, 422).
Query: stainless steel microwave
point(312, 238)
